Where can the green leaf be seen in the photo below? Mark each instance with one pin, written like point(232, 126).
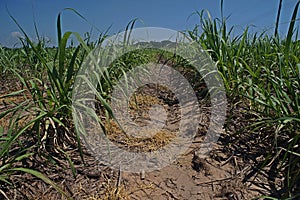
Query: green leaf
point(13, 93)
point(42, 177)
point(291, 30)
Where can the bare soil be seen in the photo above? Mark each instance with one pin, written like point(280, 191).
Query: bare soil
point(231, 170)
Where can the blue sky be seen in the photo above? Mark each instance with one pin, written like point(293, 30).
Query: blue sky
point(172, 14)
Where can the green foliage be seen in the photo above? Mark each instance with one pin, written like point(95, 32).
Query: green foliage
point(45, 112)
point(264, 71)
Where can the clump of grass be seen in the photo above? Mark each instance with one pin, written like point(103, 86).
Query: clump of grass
point(262, 71)
point(46, 105)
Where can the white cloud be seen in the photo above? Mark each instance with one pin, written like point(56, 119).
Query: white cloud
point(13, 39)
point(16, 34)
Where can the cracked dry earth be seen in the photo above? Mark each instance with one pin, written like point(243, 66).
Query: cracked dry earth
point(219, 175)
point(192, 178)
